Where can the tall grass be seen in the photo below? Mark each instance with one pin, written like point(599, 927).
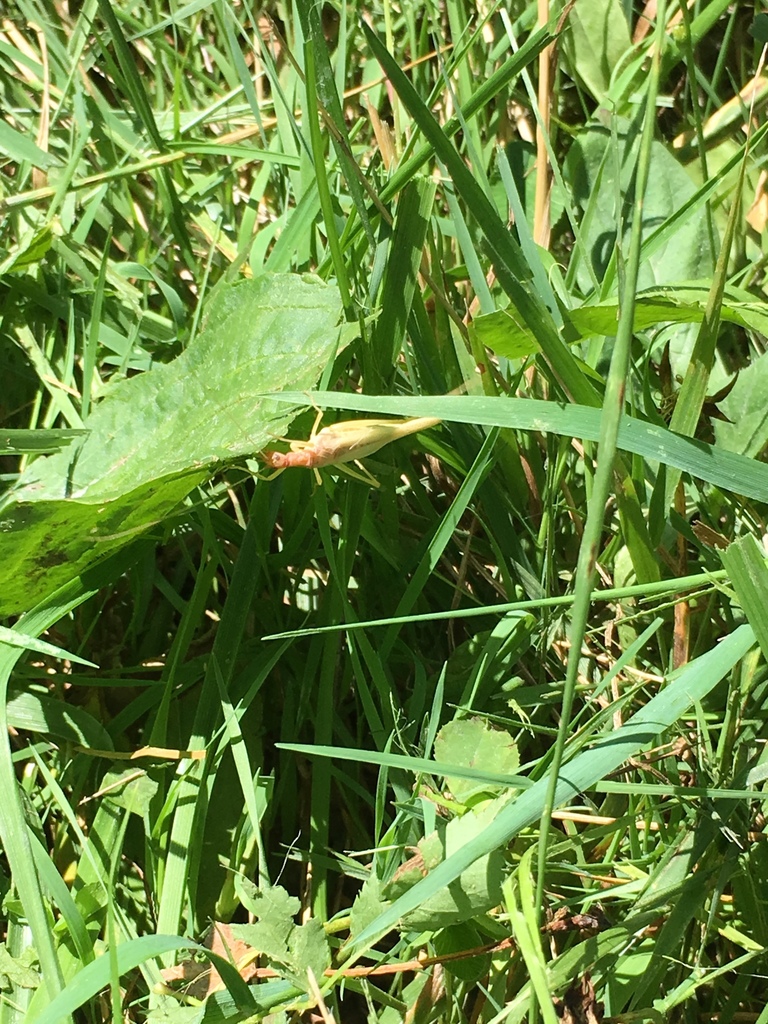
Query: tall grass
point(483, 742)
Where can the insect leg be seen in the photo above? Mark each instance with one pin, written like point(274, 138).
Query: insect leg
point(300, 446)
point(364, 476)
point(316, 424)
point(270, 476)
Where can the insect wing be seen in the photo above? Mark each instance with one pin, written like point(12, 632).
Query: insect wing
point(343, 442)
point(356, 439)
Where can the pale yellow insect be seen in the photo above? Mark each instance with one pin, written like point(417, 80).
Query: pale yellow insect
point(340, 443)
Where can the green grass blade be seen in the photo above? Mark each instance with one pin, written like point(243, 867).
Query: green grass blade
point(96, 976)
point(728, 470)
point(613, 414)
point(641, 590)
point(506, 253)
point(406, 246)
point(745, 562)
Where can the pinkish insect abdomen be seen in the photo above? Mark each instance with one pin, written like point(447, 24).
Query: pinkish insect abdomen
point(283, 460)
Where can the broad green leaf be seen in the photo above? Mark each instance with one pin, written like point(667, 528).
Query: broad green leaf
point(746, 407)
point(505, 333)
point(589, 169)
point(746, 565)
point(154, 437)
point(597, 39)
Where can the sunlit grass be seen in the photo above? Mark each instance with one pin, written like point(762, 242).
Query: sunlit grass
point(348, 702)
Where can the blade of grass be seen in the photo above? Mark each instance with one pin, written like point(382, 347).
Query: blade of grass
point(613, 413)
point(410, 764)
point(14, 829)
point(484, 96)
point(91, 339)
point(507, 256)
point(724, 469)
point(406, 244)
point(642, 590)
point(320, 164)
point(340, 560)
point(745, 562)
point(692, 394)
point(442, 536)
point(134, 87)
point(178, 881)
point(524, 923)
point(324, 88)
point(37, 442)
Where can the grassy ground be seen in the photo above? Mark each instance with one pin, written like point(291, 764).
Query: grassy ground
point(484, 741)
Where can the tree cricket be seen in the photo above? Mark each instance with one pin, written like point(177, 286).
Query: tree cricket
point(340, 443)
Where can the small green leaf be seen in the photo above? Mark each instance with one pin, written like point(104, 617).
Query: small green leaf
point(759, 28)
point(275, 911)
point(18, 971)
point(505, 333)
point(473, 743)
point(309, 948)
point(460, 938)
point(290, 947)
point(136, 795)
point(367, 906)
point(474, 892)
point(746, 429)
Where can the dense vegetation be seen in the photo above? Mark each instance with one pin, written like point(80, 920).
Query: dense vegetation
point(479, 739)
